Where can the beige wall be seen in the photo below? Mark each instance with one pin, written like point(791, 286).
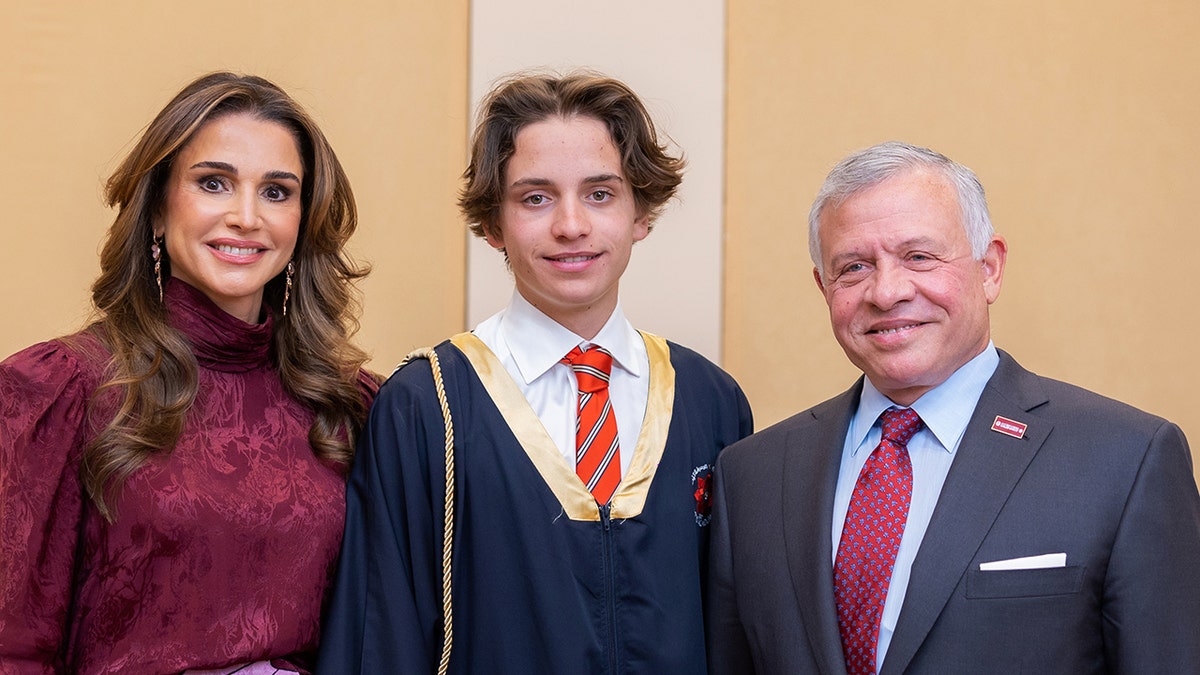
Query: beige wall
point(1081, 119)
point(387, 82)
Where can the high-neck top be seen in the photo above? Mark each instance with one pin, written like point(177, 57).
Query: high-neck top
point(220, 340)
point(229, 538)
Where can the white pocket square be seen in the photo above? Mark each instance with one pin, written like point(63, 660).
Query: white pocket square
point(1033, 562)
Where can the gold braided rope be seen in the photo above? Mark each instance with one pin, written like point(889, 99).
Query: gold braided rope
point(448, 520)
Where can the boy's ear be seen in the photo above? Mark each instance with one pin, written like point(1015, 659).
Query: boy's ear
point(641, 227)
point(494, 237)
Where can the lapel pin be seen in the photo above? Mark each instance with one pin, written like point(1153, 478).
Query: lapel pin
point(1009, 427)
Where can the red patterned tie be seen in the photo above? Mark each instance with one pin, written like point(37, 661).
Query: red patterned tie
point(597, 447)
point(870, 538)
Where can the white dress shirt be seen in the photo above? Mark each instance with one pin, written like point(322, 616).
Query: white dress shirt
point(531, 345)
point(946, 410)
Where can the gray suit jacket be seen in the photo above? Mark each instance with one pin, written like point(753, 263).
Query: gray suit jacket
point(1107, 484)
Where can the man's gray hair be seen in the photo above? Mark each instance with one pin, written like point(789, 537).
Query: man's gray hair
point(872, 166)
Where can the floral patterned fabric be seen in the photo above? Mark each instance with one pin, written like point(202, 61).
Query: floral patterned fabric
point(222, 549)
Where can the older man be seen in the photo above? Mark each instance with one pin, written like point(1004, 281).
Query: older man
point(951, 512)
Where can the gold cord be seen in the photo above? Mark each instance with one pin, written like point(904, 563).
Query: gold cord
point(448, 520)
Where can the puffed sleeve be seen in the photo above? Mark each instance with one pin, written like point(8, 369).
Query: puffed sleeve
point(368, 385)
point(44, 392)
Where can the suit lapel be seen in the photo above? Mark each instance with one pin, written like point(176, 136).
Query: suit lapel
point(986, 468)
point(810, 472)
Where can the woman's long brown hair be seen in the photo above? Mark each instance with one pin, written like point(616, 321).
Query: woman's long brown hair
point(152, 374)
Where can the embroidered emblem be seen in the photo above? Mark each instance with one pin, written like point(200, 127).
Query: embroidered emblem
point(1009, 427)
point(702, 493)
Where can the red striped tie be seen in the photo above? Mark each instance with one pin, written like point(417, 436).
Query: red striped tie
point(870, 538)
point(597, 447)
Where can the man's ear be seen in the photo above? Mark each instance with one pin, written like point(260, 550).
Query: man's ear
point(993, 267)
point(817, 278)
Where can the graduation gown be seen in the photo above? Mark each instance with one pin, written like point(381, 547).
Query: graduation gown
point(544, 580)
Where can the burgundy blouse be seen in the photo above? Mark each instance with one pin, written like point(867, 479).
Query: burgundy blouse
point(222, 550)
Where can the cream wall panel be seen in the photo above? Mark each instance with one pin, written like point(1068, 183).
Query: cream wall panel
point(387, 82)
point(672, 54)
point(1079, 117)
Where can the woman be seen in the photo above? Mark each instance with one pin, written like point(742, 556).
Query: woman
point(171, 477)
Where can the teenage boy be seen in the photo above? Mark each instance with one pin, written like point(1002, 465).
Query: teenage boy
point(582, 447)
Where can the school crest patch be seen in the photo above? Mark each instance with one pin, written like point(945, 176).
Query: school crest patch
point(702, 493)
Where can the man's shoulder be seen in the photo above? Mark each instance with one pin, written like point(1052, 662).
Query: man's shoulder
point(1064, 402)
point(830, 417)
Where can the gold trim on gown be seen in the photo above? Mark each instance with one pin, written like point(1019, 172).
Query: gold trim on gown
point(578, 504)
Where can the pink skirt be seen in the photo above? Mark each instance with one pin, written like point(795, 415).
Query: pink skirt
point(256, 668)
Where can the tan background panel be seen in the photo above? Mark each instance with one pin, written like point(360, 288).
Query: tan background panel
point(1080, 119)
point(387, 83)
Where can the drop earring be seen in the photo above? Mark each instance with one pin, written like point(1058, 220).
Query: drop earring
point(287, 286)
point(156, 252)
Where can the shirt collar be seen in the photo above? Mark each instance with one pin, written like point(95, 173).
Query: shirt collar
point(946, 409)
point(537, 342)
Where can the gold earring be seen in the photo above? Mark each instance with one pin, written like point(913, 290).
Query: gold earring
point(156, 252)
point(287, 287)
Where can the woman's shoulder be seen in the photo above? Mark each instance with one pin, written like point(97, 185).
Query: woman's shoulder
point(51, 370)
point(368, 384)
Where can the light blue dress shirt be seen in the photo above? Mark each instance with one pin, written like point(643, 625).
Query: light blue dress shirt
point(945, 409)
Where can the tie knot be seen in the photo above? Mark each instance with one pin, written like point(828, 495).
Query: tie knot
point(592, 367)
point(899, 425)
